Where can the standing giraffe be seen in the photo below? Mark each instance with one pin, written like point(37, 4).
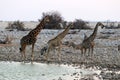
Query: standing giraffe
point(56, 42)
point(93, 35)
point(89, 41)
point(31, 37)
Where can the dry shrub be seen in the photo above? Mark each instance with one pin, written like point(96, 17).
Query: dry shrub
point(80, 24)
point(55, 21)
point(16, 25)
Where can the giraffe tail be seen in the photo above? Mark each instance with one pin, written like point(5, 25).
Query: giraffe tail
point(20, 49)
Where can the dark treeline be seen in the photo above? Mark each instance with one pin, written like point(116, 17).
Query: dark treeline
point(57, 22)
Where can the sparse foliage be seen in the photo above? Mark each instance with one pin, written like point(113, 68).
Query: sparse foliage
point(80, 24)
point(16, 25)
point(56, 18)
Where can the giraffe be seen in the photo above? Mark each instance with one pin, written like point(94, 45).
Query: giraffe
point(88, 43)
point(56, 42)
point(31, 37)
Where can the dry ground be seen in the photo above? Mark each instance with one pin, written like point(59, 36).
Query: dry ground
point(106, 54)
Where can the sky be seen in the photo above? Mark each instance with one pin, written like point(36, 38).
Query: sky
point(89, 10)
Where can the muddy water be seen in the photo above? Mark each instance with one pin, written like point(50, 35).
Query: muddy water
point(36, 71)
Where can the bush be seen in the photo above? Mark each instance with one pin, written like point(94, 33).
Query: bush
point(55, 21)
point(16, 25)
point(118, 25)
point(80, 24)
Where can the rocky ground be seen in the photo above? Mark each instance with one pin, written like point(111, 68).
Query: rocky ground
point(106, 54)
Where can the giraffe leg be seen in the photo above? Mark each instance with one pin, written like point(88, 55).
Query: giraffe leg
point(32, 55)
point(21, 52)
point(47, 54)
point(92, 49)
point(89, 51)
point(59, 49)
point(23, 56)
point(85, 52)
point(92, 55)
point(82, 52)
point(59, 53)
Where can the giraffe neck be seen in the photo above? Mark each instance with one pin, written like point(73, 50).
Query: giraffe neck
point(64, 33)
point(93, 35)
point(37, 30)
point(40, 26)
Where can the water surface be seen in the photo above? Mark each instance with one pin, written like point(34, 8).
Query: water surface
point(36, 71)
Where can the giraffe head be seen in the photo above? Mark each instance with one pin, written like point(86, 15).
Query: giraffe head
point(71, 24)
point(85, 36)
point(46, 19)
point(43, 50)
point(100, 24)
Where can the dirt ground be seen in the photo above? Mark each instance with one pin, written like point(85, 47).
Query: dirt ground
point(106, 54)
